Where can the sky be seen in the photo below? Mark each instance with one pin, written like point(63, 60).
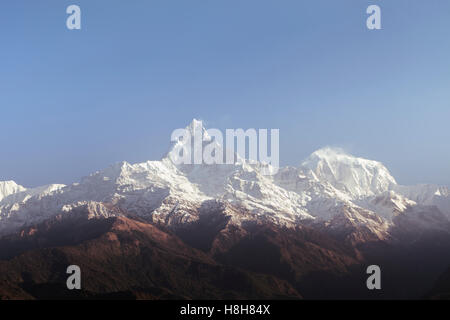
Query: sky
point(76, 101)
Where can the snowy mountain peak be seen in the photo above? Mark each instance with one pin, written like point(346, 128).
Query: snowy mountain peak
point(196, 124)
point(182, 141)
point(196, 127)
point(9, 187)
point(187, 144)
point(357, 176)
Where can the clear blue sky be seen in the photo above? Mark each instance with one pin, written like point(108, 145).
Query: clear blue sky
point(73, 102)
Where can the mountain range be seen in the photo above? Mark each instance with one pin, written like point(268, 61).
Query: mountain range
point(157, 230)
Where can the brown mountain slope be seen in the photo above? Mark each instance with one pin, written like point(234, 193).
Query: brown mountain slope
point(300, 255)
point(122, 257)
point(224, 254)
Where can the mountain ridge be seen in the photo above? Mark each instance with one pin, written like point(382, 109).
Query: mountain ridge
point(161, 230)
point(327, 184)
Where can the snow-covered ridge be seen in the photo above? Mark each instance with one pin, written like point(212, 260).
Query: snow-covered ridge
point(329, 185)
point(356, 176)
point(25, 194)
point(9, 187)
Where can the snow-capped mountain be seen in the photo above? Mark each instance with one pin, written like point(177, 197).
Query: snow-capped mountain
point(9, 187)
point(354, 176)
point(332, 188)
